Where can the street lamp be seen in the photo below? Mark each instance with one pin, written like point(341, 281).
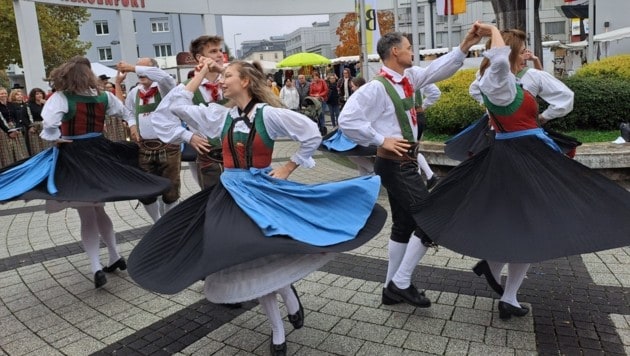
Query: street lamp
point(235, 51)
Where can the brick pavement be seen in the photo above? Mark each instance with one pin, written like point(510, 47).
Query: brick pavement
point(580, 304)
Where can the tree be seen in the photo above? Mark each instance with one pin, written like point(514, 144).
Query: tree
point(58, 28)
point(348, 32)
point(513, 14)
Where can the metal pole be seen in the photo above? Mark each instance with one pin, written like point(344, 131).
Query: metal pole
point(449, 24)
point(530, 26)
point(364, 50)
point(396, 24)
point(591, 31)
point(415, 41)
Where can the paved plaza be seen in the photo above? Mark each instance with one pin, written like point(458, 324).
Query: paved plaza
point(48, 305)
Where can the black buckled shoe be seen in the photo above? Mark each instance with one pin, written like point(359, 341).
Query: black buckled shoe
point(297, 319)
point(506, 310)
point(482, 267)
point(432, 182)
point(410, 295)
point(121, 264)
point(278, 350)
point(386, 300)
point(99, 279)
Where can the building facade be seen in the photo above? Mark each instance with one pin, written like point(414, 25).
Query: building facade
point(316, 39)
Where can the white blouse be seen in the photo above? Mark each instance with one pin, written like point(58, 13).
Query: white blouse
point(279, 122)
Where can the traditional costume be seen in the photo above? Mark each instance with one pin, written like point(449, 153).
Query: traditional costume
point(155, 156)
point(385, 108)
point(207, 167)
point(521, 200)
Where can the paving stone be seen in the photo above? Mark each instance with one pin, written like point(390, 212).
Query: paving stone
point(246, 340)
point(472, 316)
point(339, 344)
point(496, 337)
point(457, 347)
point(339, 309)
point(481, 349)
point(371, 315)
point(336, 293)
point(344, 326)
point(369, 332)
point(426, 343)
point(396, 337)
point(521, 340)
point(322, 321)
point(464, 331)
point(307, 336)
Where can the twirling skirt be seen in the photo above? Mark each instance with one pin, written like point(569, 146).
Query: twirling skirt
point(520, 201)
point(337, 142)
point(85, 170)
point(228, 236)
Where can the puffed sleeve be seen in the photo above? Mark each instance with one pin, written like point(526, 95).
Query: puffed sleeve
point(498, 83)
point(208, 120)
point(281, 122)
point(52, 113)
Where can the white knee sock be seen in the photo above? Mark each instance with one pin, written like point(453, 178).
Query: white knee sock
point(106, 229)
point(89, 237)
point(269, 304)
point(153, 210)
point(515, 277)
point(496, 268)
point(290, 299)
point(396, 251)
point(414, 253)
point(166, 207)
point(424, 166)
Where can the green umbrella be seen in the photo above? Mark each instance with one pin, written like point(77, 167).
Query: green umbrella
point(303, 59)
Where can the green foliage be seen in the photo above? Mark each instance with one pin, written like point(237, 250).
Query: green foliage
point(615, 66)
point(456, 109)
point(4, 79)
point(587, 136)
point(601, 103)
point(58, 28)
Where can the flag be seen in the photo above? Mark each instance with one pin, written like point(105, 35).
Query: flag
point(372, 31)
point(456, 7)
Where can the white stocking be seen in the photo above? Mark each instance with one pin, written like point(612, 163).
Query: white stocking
point(290, 299)
point(515, 277)
point(89, 236)
point(496, 268)
point(166, 207)
point(396, 251)
point(269, 304)
point(414, 253)
point(106, 229)
point(153, 210)
point(424, 166)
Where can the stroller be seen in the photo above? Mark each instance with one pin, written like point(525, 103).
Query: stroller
point(312, 109)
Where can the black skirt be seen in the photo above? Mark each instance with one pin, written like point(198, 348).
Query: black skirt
point(98, 170)
point(520, 201)
point(209, 232)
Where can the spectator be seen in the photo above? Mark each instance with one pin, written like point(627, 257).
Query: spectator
point(35, 104)
point(289, 95)
point(319, 90)
point(333, 99)
point(303, 87)
point(344, 87)
point(273, 86)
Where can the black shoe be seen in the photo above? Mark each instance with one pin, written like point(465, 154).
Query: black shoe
point(409, 295)
point(482, 267)
point(297, 319)
point(99, 279)
point(278, 350)
point(432, 182)
point(386, 300)
point(121, 264)
point(506, 310)
point(233, 305)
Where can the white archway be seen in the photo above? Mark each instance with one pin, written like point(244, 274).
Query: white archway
point(30, 41)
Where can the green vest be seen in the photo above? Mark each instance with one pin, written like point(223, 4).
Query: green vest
point(401, 106)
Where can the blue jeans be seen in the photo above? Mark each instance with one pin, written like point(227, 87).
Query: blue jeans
point(334, 113)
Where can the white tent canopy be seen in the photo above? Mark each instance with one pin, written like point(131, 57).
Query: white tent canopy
point(100, 69)
point(354, 59)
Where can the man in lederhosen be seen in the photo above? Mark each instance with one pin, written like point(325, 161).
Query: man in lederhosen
point(208, 165)
point(383, 114)
point(155, 156)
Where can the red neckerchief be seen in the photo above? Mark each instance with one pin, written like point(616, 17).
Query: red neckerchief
point(147, 95)
point(213, 88)
point(407, 88)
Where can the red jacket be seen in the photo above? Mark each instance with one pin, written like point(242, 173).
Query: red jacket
point(319, 88)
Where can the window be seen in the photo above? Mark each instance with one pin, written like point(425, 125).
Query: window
point(104, 54)
point(102, 28)
point(135, 30)
point(260, 56)
point(275, 56)
point(138, 51)
point(163, 50)
point(555, 28)
point(159, 25)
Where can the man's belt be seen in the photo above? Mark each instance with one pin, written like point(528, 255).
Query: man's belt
point(155, 145)
point(410, 155)
point(214, 156)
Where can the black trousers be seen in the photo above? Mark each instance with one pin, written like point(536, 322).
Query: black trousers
point(406, 191)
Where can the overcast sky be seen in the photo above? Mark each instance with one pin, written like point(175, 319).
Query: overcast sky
point(262, 27)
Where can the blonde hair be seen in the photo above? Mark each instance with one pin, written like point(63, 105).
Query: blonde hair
point(257, 88)
point(513, 38)
point(75, 76)
point(14, 93)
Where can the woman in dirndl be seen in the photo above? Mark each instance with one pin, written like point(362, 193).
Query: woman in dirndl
point(521, 200)
point(83, 170)
point(15, 125)
point(254, 234)
point(36, 101)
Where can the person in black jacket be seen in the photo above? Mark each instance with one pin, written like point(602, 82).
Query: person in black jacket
point(333, 99)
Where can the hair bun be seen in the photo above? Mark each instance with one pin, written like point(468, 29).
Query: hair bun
point(258, 66)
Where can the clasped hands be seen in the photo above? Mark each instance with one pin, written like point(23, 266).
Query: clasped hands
point(208, 65)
